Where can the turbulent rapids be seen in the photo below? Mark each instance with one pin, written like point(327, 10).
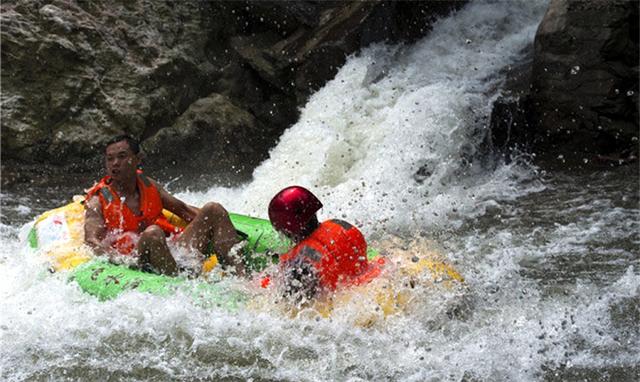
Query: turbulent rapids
point(394, 145)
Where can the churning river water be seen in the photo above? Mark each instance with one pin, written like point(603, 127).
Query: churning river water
point(394, 144)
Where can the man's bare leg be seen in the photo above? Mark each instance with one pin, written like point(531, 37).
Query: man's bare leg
point(212, 225)
point(153, 250)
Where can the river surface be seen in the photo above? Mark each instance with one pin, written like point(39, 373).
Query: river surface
point(395, 143)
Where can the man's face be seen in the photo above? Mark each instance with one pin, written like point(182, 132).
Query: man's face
point(121, 162)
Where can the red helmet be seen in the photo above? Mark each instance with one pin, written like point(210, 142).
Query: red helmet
point(291, 210)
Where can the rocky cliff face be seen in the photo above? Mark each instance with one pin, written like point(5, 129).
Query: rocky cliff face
point(213, 83)
point(74, 74)
point(582, 98)
point(585, 75)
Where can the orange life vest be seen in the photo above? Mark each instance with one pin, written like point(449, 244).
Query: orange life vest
point(337, 250)
point(119, 218)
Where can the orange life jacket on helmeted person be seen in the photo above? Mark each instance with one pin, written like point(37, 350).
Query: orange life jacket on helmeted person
point(338, 252)
point(119, 218)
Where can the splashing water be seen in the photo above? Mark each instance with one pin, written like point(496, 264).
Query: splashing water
point(394, 112)
point(394, 145)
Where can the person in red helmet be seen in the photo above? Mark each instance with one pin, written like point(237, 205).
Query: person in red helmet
point(326, 255)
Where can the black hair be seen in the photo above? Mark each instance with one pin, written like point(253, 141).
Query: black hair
point(133, 143)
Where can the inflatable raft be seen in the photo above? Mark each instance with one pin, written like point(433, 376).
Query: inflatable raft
point(58, 236)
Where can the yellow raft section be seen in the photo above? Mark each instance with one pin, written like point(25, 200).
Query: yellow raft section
point(60, 236)
point(410, 274)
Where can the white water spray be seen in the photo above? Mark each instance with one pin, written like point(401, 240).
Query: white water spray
point(391, 142)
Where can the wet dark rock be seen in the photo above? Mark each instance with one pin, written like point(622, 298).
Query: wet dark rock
point(510, 128)
point(511, 131)
point(214, 134)
point(575, 93)
point(307, 57)
point(585, 78)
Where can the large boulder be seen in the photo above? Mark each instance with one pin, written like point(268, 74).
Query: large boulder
point(75, 74)
point(585, 78)
point(212, 138)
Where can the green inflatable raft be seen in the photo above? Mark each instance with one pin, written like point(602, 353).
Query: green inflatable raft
point(58, 235)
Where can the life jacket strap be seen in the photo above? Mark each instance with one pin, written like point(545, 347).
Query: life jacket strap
point(144, 180)
point(107, 195)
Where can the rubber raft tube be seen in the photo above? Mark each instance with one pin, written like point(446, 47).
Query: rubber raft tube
point(58, 235)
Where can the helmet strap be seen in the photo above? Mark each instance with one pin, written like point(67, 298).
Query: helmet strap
point(308, 229)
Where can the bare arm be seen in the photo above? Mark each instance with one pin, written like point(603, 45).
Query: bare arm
point(175, 205)
point(94, 227)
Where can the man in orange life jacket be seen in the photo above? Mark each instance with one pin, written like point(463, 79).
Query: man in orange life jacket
point(123, 216)
point(326, 255)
